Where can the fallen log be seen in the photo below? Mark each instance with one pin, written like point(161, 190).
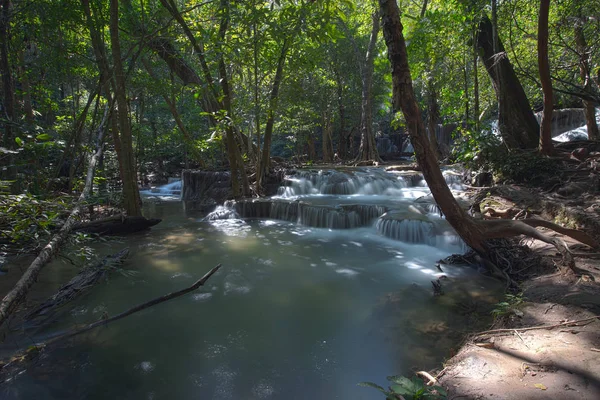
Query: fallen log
point(116, 225)
point(84, 280)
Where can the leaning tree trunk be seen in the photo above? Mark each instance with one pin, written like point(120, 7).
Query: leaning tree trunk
point(518, 126)
point(368, 148)
point(584, 73)
point(404, 99)
point(546, 146)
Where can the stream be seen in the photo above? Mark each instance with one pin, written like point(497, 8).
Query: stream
point(323, 286)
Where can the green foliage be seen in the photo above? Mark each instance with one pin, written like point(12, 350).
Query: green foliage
point(485, 151)
point(475, 149)
point(508, 307)
point(25, 218)
point(409, 389)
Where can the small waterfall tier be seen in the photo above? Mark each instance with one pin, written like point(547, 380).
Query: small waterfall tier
point(302, 183)
point(345, 216)
point(412, 226)
point(333, 182)
point(172, 189)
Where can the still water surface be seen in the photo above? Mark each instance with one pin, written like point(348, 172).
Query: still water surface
point(295, 313)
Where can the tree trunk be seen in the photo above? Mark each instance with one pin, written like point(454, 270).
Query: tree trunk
point(476, 111)
point(8, 106)
point(404, 99)
point(312, 151)
point(584, 73)
point(326, 137)
point(518, 126)
point(233, 149)
point(131, 194)
point(265, 160)
point(368, 150)
point(342, 150)
point(546, 146)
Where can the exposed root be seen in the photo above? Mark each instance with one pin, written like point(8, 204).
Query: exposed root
point(426, 375)
point(579, 322)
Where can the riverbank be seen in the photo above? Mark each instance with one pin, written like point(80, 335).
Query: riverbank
point(560, 361)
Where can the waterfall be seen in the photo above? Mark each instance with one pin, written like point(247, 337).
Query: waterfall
point(316, 216)
point(323, 182)
point(324, 199)
point(406, 230)
point(564, 120)
point(170, 189)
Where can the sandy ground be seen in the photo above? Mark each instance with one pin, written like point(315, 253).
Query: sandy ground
point(558, 363)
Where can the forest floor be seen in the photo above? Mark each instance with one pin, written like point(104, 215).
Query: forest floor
point(561, 361)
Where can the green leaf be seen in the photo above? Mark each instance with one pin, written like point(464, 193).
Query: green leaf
point(374, 386)
point(19, 141)
point(43, 137)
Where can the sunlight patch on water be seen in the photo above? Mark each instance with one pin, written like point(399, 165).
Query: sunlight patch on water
point(346, 271)
point(167, 265)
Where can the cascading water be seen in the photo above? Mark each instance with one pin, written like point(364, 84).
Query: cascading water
point(172, 189)
point(337, 199)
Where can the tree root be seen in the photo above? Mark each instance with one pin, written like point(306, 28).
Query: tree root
point(426, 375)
point(531, 328)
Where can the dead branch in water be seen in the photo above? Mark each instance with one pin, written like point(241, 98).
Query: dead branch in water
point(84, 280)
point(137, 308)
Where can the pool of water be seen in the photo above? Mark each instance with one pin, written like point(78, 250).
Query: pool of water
point(295, 312)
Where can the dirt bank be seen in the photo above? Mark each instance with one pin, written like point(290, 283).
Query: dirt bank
point(561, 361)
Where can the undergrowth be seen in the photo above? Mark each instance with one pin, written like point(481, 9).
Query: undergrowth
point(483, 151)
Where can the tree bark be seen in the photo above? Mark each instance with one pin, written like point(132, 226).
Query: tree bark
point(343, 136)
point(368, 150)
point(132, 201)
point(518, 126)
point(404, 99)
point(8, 89)
point(585, 74)
point(546, 146)
point(326, 137)
point(476, 110)
point(265, 160)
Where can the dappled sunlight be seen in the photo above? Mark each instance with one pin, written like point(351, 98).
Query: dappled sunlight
point(164, 264)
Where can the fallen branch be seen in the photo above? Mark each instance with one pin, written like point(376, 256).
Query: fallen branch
point(85, 279)
point(531, 328)
point(19, 291)
point(137, 308)
point(116, 225)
